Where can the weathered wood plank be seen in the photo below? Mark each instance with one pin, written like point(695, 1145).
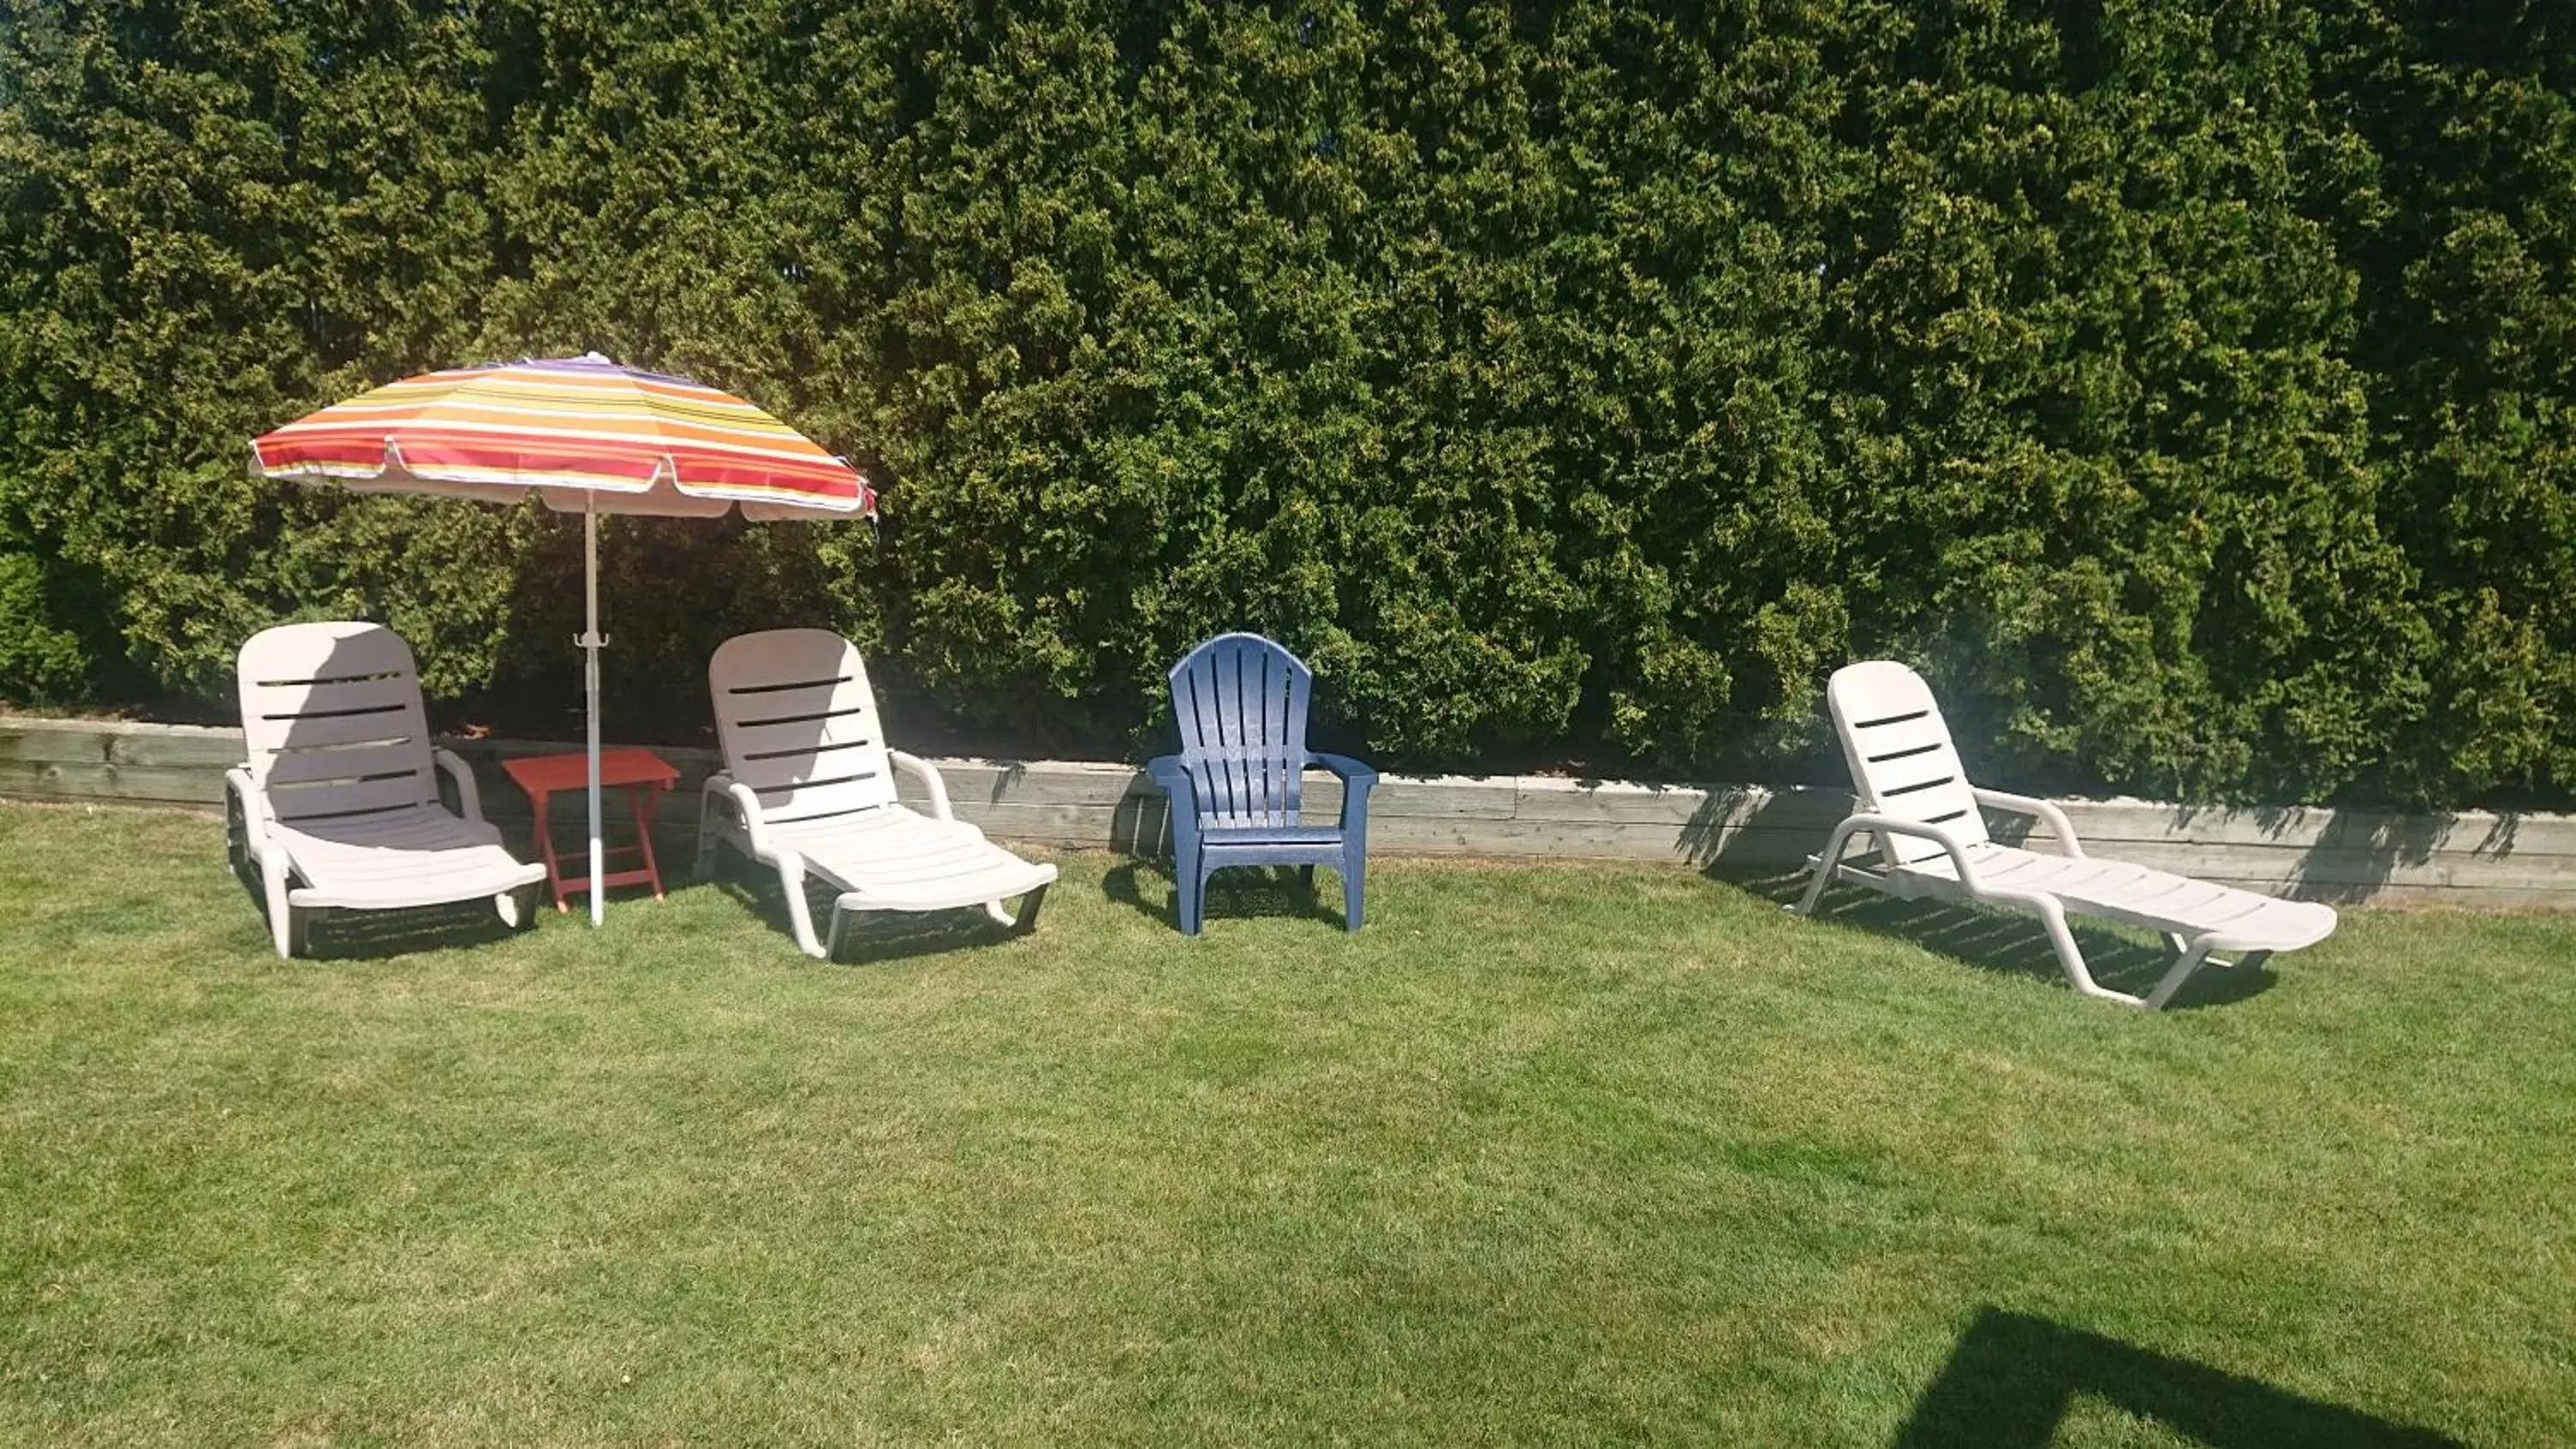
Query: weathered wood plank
point(118, 742)
point(203, 748)
point(2117, 821)
point(41, 741)
point(1416, 797)
point(129, 784)
point(1034, 783)
point(1695, 806)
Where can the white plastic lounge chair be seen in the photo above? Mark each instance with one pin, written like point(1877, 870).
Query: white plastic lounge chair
point(338, 804)
point(1927, 820)
point(807, 789)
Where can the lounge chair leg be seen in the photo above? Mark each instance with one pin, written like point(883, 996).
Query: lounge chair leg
point(517, 908)
point(840, 929)
point(236, 837)
point(299, 930)
point(1022, 921)
point(800, 912)
point(704, 867)
point(282, 928)
point(2180, 972)
point(1826, 863)
point(2070, 957)
point(1354, 886)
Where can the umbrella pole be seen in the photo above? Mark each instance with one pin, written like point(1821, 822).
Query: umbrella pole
point(591, 644)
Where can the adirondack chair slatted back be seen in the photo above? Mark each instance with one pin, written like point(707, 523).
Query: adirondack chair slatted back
point(1241, 704)
point(331, 716)
point(799, 724)
point(1902, 760)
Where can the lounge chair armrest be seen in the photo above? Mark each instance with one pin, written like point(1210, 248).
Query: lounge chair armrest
point(928, 774)
point(254, 803)
point(469, 798)
point(1889, 825)
point(259, 824)
point(2043, 811)
point(746, 806)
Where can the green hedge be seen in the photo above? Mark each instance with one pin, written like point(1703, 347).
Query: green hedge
point(2186, 384)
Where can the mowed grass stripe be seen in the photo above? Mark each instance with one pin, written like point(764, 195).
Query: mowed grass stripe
point(1542, 1156)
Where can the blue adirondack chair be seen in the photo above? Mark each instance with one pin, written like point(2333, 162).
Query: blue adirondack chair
point(1236, 785)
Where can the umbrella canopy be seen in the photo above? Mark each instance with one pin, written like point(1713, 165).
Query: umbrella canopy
point(586, 435)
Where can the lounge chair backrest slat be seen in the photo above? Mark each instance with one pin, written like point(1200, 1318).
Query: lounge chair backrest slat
point(799, 724)
point(1902, 760)
point(332, 720)
point(1240, 701)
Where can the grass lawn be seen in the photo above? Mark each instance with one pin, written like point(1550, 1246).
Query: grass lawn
point(1556, 1156)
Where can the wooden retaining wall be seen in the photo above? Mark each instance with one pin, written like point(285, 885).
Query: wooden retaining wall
point(2472, 858)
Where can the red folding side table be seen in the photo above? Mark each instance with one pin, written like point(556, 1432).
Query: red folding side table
point(644, 776)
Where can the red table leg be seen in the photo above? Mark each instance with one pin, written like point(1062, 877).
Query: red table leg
point(546, 847)
point(643, 798)
point(639, 773)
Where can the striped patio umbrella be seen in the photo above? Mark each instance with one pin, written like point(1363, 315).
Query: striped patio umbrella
point(586, 435)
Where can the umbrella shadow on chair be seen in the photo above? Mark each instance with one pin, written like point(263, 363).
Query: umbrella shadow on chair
point(2006, 944)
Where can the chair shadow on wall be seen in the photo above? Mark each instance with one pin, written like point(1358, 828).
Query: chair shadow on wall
point(2358, 853)
point(2012, 1379)
point(1753, 843)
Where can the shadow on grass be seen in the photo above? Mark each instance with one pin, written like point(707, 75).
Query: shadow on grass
point(2012, 1378)
point(1233, 893)
point(347, 935)
point(871, 937)
point(2008, 943)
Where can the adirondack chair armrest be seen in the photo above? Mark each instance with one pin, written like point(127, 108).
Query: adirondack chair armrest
point(1173, 778)
point(1357, 780)
point(746, 806)
point(928, 774)
point(469, 799)
point(1864, 822)
point(2045, 812)
point(1354, 775)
